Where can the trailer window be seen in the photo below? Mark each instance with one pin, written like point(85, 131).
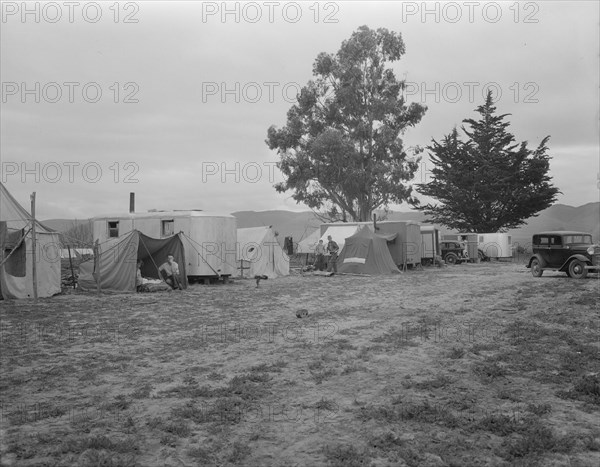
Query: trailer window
point(113, 229)
point(168, 228)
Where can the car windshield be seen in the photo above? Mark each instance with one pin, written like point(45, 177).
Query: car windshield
point(586, 239)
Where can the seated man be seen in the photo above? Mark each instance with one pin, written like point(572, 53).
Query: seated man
point(170, 272)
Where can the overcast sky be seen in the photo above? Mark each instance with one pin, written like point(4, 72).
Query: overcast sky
point(197, 87)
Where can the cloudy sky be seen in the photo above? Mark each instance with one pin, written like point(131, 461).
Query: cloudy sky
point(172, 100)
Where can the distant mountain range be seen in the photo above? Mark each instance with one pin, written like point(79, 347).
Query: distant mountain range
point(299, 225)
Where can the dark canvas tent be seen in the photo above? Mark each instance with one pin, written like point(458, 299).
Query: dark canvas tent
point(115, 264)
point(367, 253)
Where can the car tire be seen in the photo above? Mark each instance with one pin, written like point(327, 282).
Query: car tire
point(577, 270)
point(536, 268)
point(451, 258)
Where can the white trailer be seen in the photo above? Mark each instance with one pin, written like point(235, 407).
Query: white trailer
point(492, 245)
point(495, 245)
point(209, 239)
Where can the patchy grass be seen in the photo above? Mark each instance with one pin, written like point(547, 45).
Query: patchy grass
point(489, 370)
point(400, 411)
point(456, 353)
point(440, 381)
point(450, 377)
point(398, 338)
point(585, 388)
point(342, 455)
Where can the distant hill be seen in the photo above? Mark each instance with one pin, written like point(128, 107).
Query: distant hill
point(300, 225)
point(584, 218)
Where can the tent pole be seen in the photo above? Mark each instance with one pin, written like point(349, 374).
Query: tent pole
point(97, 264)
point(33, 248)
point(71, 263)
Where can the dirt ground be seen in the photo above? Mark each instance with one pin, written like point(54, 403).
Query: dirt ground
point(468, 365)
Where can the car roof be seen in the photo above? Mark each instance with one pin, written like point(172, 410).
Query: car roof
point(563, 232)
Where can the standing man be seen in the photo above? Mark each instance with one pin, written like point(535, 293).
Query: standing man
point(170, 269)
point(320, 255)
point(332, 249)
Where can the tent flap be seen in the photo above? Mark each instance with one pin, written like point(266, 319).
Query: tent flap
point(366, 253)
point(115, 266)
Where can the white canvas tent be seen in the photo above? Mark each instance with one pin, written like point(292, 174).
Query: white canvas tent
point(16, 258)
point(309, 243)
point(261, 253)
point(339, 233)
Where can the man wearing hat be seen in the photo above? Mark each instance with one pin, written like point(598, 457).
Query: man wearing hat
point(332, 249)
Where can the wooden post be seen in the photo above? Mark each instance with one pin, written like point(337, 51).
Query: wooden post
point(33, 248)
point(242, 268)
point(97, 264)
point(71, 263)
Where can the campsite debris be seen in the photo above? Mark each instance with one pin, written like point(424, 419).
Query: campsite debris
point(303, 313)
point(258, 277)
point(322, 273)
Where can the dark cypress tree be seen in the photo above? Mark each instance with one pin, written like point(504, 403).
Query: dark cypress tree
point(487, 183)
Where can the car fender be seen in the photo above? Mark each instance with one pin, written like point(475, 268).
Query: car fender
point(582, 258)
point(539, 258)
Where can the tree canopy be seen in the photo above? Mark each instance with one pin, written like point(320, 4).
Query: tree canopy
point(340, 150)
point(487, 183)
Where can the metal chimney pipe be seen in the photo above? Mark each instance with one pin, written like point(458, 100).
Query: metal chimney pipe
point(131, 203)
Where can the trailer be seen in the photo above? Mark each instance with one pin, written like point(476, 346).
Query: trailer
point(495, 245)
point(485, 245)
point(430, 243)
point(209, 239)
point(405, 248)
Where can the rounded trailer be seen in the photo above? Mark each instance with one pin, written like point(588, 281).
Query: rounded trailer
point(209, 239)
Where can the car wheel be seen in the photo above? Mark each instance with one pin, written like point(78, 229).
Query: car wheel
point(536, 268)
point(451, 258)
point(577, 269)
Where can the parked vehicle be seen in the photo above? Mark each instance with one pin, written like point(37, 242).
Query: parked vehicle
point(564, 251)
point(453, 252)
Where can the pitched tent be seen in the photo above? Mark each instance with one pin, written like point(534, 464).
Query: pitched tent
point(116, 261)
point(367, 253)
point(309, 243)
point(261, 252)
point(339, 233)
point(16, 260)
